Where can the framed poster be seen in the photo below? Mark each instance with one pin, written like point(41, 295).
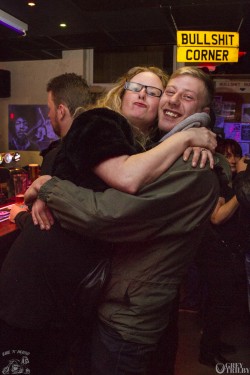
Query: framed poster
point(30, 128)
point(245, 114)
point(245, 132)
point(217, 105)
point(228, 110)
point(233, 130)
point(245, 148)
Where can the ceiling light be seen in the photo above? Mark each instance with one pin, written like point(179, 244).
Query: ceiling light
point(31, 4)
point(63, 25)
point(13, 23)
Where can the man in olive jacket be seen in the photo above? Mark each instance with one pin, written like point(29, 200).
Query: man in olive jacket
point(155, 236)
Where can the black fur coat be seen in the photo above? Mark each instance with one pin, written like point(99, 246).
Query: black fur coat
point(94, 136)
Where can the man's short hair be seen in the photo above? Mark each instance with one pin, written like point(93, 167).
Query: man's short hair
point(200, 74)
point(71, 90)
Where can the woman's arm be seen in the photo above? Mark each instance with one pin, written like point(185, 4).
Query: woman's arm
point(224, 210)
point(130, 173)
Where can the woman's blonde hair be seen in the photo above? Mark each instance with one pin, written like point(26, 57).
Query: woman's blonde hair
point(113, 98)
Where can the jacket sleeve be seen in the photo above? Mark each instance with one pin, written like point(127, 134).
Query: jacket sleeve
point(176, 203)
point(21, 219)
point(241, 185)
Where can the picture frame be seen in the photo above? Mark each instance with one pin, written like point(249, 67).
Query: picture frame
point(29, 127)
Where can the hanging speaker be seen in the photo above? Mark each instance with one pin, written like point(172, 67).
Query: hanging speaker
point(4, 83)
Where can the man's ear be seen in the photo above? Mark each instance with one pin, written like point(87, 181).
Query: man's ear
point(206, 110)
point(61, 110)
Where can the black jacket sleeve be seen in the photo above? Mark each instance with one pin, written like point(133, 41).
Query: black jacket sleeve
point(94, 136)
point(22, 218)
point(241, 186)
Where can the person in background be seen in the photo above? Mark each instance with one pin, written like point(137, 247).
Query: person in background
point(222, 276)
point(241, 185)
point(66, 93)
point(232, 151)
point(146, 273)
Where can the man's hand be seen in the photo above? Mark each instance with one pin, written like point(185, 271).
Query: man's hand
point(32, 192)
point(42, 215)
point(15, 209)
point(199, 155)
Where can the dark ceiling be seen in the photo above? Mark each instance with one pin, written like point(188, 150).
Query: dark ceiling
point(115, 24)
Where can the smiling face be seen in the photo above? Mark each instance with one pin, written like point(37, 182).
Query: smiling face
point(139, 108)
point(183, 96)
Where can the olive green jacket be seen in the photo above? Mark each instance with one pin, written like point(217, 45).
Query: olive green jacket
point(155, 236)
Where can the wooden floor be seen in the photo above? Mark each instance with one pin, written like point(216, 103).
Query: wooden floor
point(237, 333)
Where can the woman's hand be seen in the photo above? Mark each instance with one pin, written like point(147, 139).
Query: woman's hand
point(32, 192)
point(199, 154)
point(42, 215)
point(202, 137)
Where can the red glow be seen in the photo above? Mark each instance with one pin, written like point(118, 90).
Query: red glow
point(12, 116)
point(212, 66)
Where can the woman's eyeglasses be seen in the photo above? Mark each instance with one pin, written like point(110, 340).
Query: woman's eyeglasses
point(137, 87)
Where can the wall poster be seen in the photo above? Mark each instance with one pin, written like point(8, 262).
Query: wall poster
point(29, 128)
point(245, 114)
